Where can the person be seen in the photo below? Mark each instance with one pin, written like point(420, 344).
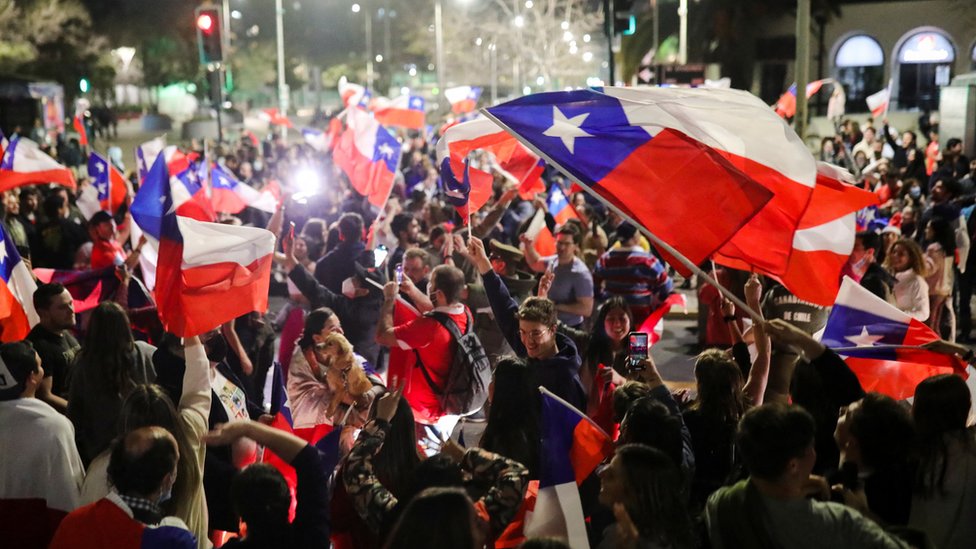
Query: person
point(572, 287)
point(107, 252)
point(863, 267)
point(459, 527)
point(630, 272)
point(945, 494)
point(58, 237)
point(432, 342)
point(142, 469)
point(530, 329)
point(338, 264)
point(506, 478)
point(149, 405)
point(109, 366)
point(513, 427)
point(53, 341)
point(644, 488)
point(771, 508)
point(40, 469)
point(911, 292)
point(608, 346)
point(12, 222)
point(261, 498)
point(406, 229)
point(866, 145)
point(939, 257)
point(291, 317)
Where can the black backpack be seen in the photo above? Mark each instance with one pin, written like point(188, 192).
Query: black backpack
point(467, 381)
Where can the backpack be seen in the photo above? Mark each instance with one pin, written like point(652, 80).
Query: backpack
point(467, 381)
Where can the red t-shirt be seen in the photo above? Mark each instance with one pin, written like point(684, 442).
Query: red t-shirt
point(106, 253)
point(435, 346)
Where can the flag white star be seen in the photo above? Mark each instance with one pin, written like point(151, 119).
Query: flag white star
point(100, 166)
point(102, 188)
point(864, 339)
point(567, 129)
point(386, 151)
point(3, 252)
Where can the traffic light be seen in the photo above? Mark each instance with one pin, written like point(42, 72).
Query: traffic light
point(210, 36)
point(623, 21)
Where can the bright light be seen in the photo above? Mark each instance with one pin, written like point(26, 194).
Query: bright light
point(567, 36)
point(236, 14)
point(84, 85)
point(430, 66)
point(573, 50)
point(568, 88)
point(519, 21)
point(572, 43)
point(526, 90)
point(379, 58)
point(477, 41)
point(404, 91)
point(205, 22)
point(412, 71)
point(540, 81)
point(528, 4)
point(594, 82)
point(308, 183)
point(564, 25)
point(356, 8)
point(586, 37)
point(587, 56)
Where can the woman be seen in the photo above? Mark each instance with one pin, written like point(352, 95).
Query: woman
point(944, 502)
point(513, 415)
point(940, 253)
point(457, 524)
point(608, 346)
point(109, 366)
point(643, 487)
point(149, 405)
point(911, 292)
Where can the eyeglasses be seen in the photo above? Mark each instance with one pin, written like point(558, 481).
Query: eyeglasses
point(533, 335)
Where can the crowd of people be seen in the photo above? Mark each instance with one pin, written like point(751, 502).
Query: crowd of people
point(114, 433)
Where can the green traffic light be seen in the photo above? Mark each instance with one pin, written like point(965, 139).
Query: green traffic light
point(84, 85)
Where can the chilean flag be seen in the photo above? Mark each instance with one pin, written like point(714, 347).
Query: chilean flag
point(786, 104)
point(561, 210)
point(369, 156)
point(24, 163)
point(406, 111)
point(317, 139)
point(351, 94)
point(824, 238)
point(207, 273)
point(572, 446)
point(660, 154)
point(89, 288)
point(653, 325)
point(79, 125)
point(469, 194)
point(878, 102)
point(463, 99)
point(865, 328)
point(232, 196)
point(516, 162)
point(17, 287)
point(108, 181)
point(146, 154)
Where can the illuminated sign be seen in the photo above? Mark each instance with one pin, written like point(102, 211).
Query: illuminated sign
point(927, 48)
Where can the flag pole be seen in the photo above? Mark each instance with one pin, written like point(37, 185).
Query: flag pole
point(756, 317)
point(888, 102)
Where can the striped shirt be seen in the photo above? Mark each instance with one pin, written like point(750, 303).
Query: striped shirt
point(637, 276)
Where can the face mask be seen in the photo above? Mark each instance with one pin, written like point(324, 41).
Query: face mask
point(216, 348)
point(167, 493)
point(915, 192)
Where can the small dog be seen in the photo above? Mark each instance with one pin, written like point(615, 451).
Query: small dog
point(345, 377)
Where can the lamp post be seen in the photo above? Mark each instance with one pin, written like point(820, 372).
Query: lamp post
point(282, 86)
point(356, 8)
point(439, 45)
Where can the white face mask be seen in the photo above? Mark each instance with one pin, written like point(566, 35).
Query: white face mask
point(167, 493)
point(349, 288)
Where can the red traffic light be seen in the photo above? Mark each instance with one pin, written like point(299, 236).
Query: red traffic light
point(205, 22)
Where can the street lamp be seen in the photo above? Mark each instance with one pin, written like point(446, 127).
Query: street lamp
point(356, 8)
point(282, 86)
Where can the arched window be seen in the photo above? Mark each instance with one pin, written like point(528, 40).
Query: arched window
point(859, 64)
point(925, 58)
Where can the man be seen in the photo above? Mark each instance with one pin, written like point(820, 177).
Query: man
point(633, 274)
point(900, 157)
point(339, 263)
point(772, 508)
point(11, 218)
point(141, 471)
point(54, 343)
point(530, 330)
point(58, 238)
point(432, 342)
point(40, 470)
point(106, 250)
point(416, 267)
point(862, 265)
point(572, 287)
point(406, 229)
point(944, 190)
point(866, 145)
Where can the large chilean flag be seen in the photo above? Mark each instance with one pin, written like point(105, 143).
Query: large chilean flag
point(666, 156)
point(24, 163)
point(207, 273)
point(17, 287)
point(369, 156)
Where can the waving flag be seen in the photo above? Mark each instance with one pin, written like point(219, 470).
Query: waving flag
point(824, 238)
point(207, 273)
point(516, 162)
point(878, 102)
point(17, 287)
point(110, 184)
point(317, 139)
point(146, 154)
point(406, 111)
point(232, 196)
point(89, 288)
point(572, 446)
point(78, 122)
point(463, 99)
point(368, 155)
point(653, 325)
point(351, 94)
point(786, 104)
point(276, 117)
point(24, 163)
point(867, 327)
point(659, 154)
point(471, 193)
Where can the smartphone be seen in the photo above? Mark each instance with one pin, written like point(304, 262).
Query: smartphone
point(638, 343)
point(399, 273)
point(379, 255)
point(551, 268)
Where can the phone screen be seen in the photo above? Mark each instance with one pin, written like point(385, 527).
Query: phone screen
point(399, 273)
point(379, 255)
point(638, 345)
